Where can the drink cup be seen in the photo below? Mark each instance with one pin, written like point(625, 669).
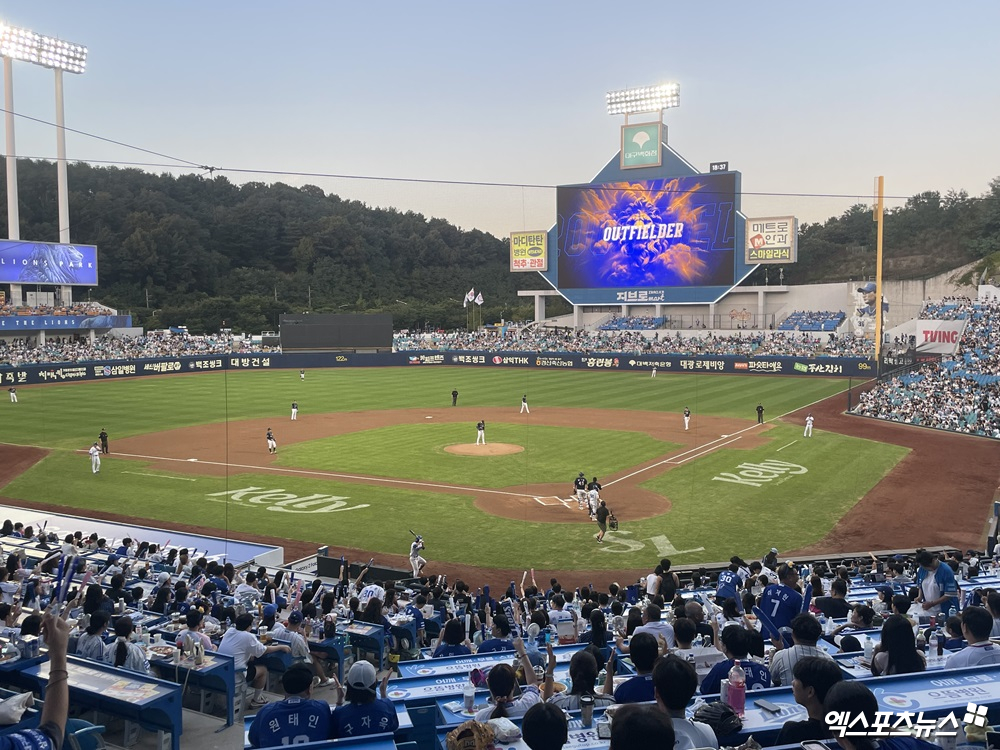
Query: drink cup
point(469, 701)
point(587, 710)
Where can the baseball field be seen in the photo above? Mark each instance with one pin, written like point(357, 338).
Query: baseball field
point(377, 452)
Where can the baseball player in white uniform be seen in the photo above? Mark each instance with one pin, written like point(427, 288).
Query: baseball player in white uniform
point(653, 373)
point(272, 444)
point(417, 563)
point(13, 394)
point(594, 498)
point(687, 418)
point(295, 410)
point(524, 404)
point(481, 432)
point(302, 374)
point(95, 458)
point(808, 432)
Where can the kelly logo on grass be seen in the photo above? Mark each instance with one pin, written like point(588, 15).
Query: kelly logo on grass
point(757, 475)
point(286, 502)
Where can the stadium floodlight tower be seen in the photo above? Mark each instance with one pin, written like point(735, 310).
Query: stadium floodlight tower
point(59, 56)
point(644, 99)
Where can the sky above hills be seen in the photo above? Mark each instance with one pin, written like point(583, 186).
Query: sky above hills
point(809, 101)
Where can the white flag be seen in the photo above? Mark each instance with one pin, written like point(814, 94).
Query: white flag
point(469, 297)
point(479, 299)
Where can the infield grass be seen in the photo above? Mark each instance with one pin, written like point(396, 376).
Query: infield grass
point(417, 451)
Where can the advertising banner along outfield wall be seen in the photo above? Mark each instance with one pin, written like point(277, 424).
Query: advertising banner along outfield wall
point(71, 371)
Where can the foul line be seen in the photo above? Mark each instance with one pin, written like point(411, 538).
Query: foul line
point(282, 470)
point(710, 446)
point(785, 446)
point(158, 476)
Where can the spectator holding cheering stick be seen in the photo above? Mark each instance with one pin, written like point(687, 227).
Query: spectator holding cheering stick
point(52, 727)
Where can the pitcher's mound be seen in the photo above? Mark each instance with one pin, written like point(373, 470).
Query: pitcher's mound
point(491, 449)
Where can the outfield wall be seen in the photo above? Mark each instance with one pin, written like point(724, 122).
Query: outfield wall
point(69, 372)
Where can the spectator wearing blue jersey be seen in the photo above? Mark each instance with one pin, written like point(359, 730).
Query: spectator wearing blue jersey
point(734, 643)
point(780, 602)
point(297, 719)
point(729, 584)
point(638, 689)
point(366, 712)
point(936, 582)
point(500, 640)
point(453, 640)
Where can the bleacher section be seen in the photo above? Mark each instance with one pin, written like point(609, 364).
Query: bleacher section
point(427, 691)
point(802, 320)
point(633, 323)
point(960, 394)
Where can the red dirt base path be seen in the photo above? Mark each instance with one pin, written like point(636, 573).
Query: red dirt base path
point(939, 495)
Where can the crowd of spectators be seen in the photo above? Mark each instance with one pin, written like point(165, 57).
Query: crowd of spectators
point(77, 308)
point(20, 351)
point(960, 393)
point(769, 343)
point(683, 635)
point(633, 323)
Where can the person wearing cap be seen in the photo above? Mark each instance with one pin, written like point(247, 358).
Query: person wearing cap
point(869, 295)
point(297, 719)
point(244, 647)
point(95, 458)
point(580, 486)
point(296, 637)
point(365, 711)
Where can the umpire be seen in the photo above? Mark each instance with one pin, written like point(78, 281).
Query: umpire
point(103, 437)
point(602, 521)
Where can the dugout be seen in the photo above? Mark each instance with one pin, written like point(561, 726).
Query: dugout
point(335, 332)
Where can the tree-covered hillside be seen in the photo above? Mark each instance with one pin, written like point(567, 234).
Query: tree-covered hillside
point(209, 251)
point(206, 251)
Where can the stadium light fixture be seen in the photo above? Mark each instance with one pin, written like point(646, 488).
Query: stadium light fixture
point(644, 99)
point(59, 56)
point(47, 51)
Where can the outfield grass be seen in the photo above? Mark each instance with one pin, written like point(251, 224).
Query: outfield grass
point(71, 415)
point(708, 519)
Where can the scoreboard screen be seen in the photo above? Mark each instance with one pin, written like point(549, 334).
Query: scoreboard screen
point(677, 232)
